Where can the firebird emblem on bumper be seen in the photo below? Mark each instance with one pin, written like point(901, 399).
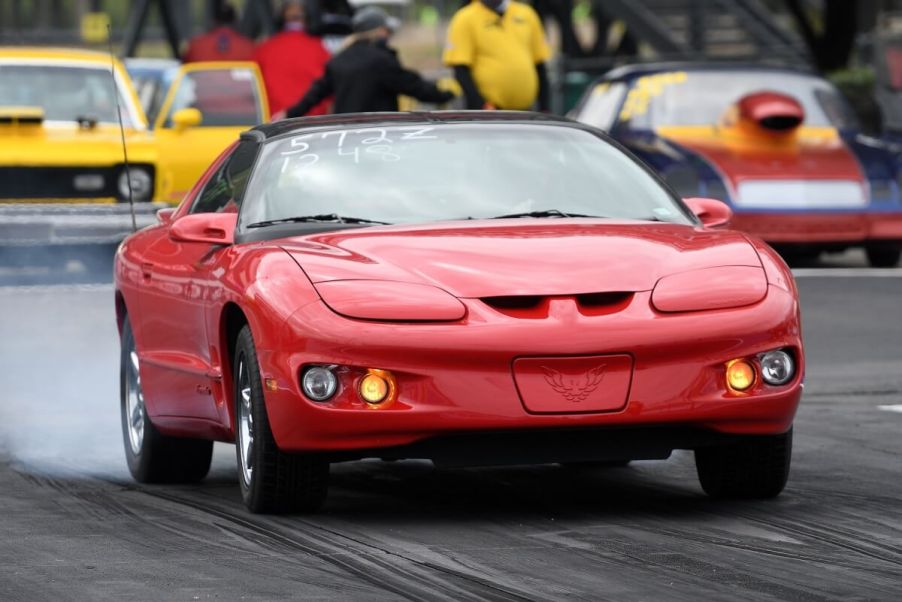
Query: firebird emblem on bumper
point(575, 389)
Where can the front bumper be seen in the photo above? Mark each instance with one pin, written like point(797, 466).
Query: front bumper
point(45, 224)
point(456, 379)
point(850, 228)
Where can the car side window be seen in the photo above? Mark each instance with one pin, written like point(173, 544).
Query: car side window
point(224, 190)
point(225, 97)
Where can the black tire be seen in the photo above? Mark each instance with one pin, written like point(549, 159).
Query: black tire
point(273, 482)
point(884, 256)
point(154, 457)
point(756, 468)
point(596, 464)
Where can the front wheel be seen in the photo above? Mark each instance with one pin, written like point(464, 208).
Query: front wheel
point(884, 256)
point(153, 457)
point(756, 468)
point(271, 481)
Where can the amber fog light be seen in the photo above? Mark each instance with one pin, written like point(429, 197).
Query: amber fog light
point(377, 387)
point(777, 367)
point(319, 383)
point(740, 375)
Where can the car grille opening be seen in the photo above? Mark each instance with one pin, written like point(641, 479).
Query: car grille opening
point(598, 304)
point(537, 306)
point(56, 182)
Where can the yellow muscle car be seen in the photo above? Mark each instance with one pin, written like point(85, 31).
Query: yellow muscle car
point(62, 172)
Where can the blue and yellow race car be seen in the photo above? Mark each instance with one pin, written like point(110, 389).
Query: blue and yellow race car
point(780, 145)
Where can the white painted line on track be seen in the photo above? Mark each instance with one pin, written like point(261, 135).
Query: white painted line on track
point(54, 288)
point(847, 272)
point(892, 408)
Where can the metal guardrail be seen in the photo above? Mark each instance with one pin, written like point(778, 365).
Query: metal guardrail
point(28, 224)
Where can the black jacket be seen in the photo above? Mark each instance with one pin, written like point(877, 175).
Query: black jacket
point(367, 76)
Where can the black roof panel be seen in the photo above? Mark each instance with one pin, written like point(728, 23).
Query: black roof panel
point(287, 126)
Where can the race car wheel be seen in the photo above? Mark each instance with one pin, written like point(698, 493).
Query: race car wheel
point(271, 481)
point(153, 457)
point(884, 256)
point(753, 469)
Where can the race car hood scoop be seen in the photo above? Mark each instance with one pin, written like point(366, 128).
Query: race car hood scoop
point(529, 257)
point(771, 111)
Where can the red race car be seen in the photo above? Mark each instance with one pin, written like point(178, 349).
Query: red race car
point(472, 288)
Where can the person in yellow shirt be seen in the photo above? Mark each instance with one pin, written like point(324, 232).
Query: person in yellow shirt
point(498, 51)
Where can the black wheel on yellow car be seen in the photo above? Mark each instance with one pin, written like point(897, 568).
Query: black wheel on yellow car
point(272, 481)
point(884, 255)
point(755, 468)
point(153, 457)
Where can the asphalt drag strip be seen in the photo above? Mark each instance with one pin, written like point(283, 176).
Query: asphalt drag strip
point(75, 526)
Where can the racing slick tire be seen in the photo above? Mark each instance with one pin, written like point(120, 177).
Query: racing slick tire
point(153, 457)
point(884, 256)
point(752, 469)
point(271, 481)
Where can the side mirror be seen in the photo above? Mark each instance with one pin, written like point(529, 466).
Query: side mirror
point(164, 216)
point(186, 118)
point(713, 213)
point(210, 228)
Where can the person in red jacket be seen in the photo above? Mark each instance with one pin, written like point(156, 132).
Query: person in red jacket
point(222, 43)
point(291, 60)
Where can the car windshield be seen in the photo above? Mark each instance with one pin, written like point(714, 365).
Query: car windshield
point(421, 173)
point(64, 93)
point(702, 98)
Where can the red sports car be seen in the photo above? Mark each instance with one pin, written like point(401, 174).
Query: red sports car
point(473, 288)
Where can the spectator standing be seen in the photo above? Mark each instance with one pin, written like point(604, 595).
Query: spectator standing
point(223, 42)
point(498, 51)
point(291, 60)
point(366, 75)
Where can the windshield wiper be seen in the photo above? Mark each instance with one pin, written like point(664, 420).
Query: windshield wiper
point(323, 217)
point(543, 213)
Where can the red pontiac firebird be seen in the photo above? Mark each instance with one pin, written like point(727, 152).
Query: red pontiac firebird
point(472, 288)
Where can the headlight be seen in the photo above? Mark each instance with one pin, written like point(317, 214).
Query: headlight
point(777, 367)
point(142, 183)
point(319, 383)
point(390, 301)
point(740, 375)
point(722, 287)
point(377, 386)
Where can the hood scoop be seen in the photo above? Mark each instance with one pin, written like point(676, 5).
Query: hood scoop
point(21, 115)
point(771, 112)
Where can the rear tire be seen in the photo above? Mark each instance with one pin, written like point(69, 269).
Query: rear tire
point(153, 457)
point(756, 468)
point(271, 481)
point(884, 256)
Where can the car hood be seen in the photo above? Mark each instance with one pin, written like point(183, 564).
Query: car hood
point(520, 257)
point(808, 152)
point(68, 144)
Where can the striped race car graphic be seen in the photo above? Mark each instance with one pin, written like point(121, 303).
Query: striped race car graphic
point(809, 168)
